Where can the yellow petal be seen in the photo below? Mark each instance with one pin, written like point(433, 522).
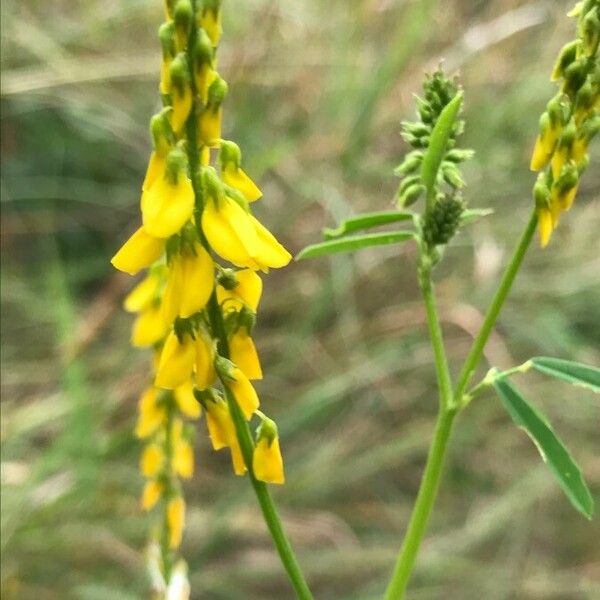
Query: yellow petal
point(217, 418)
point(245, 394)
point(198, 281)
point(267, 463)
point(539, 157)
point(204, 76)
point(209, 126)
point(156, 169)
point(138, 252)
point(229, 232)
point(237, 458)
point(176, 363)
point(182, 105)
point(243, 354)
point(143, 294)
point(545, 226)
point(237, 178)
point(269, 252)
point(151, 415)
point(186, 401)
point(247, 291)
point(183, 459)
point(175, 521)
point(173, 291)
point(151, 460)
point(165, 76)
point(205, 357)
point(149, 328)
point(151, 494)
point(167, 206)
point(211, 23)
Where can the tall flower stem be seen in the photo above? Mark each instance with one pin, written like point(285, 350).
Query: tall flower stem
point(450, 405)
point(493, 311)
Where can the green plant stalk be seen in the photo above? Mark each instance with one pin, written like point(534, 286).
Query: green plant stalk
point(261, 490)
point(423, 505)
point(493, 311)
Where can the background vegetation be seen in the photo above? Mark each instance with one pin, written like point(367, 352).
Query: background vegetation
point(318, 89)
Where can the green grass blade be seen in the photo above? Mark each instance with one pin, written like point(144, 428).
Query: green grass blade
point(572, 372)
point(354, 243)
point(365, 221)
point(553, 451)
point(439, 141)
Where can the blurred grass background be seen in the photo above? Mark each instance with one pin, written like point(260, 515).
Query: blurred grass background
point(318, 89)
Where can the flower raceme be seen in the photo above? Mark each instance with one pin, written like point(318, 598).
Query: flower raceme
point(195, 314)
point(571, 120)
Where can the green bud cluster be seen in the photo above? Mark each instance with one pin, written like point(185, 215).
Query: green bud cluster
point(438, 91)
point(442, 222)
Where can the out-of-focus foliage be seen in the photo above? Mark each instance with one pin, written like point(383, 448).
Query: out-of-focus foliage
point(318, 90)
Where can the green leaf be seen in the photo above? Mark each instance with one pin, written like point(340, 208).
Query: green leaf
point(573, 372)
point(553, 451)
point(365, 221)
point(439, 140)
point(350, 244)
point(470, 215)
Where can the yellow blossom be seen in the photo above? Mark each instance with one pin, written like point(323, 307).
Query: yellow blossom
point(143, 294)
point(267, 463)
point(221, 430)
point(183, 452)
point(156, 169)
point(205, 357)
point(151, 460)
point(186, 401)
point(247, 291)
point(151, 415)
point(151, 494)
point(209, 125)
point(176, 362)
point(138, 252)
point(167, 205)
point(546, 226)
point(269, 253)
point(234, 176)
point(243, 354)
point(210, 21)
point(245, 395)
point(149, 327)
point(175, 521)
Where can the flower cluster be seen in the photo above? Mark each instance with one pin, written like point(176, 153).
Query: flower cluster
point(571, 120)
point(197, 314)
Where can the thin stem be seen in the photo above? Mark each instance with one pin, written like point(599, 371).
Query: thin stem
point(491, 316)
point(423, 506)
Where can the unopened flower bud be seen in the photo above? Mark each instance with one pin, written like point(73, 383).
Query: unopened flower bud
point(565, 58)
point(590, 30)
point(183, 18)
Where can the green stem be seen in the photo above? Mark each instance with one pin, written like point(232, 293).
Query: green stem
point(423, 506)
point(491, 316)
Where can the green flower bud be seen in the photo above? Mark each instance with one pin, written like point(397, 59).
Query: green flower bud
point(217, 92)
point(566, 56)
point(541, 192)
point(166, 35)
point(412, 161)
point(203, 50)
point(183, 19)
point(575, 75)
point(458, 155)
point(230, 152)
point(410, 195)
point(179, 70)
point(212, 185)
point(451, 175)
point(590, 31)
point(160, 130)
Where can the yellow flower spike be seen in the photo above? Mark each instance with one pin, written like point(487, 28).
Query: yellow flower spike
point(186, 401)
point(138, 252)
point(198, 271)
point(149, 328)
point(151, 460)
point(168, 204)
point(176, 362)
point(243, 353)
point(545, 226)
point(230, 232)
point(143, 294)
point(269, 252)
point(267, 462)
point(175, 521)
point(247, 291)
point(151, 494)
point(205, 373)
point(151, 415)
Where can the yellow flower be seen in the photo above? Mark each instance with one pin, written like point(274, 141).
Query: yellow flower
point(209, 125)
point(268, 253)
point(546, 226)
point(234, 176)
point(205, 358)
point(167, 205)
point(165, 76)
point(182, 106)
point(210, 21)
point(186, 401)
point(138, 252)
point(245, 395)
point(151, 460)
point(175, 521)
point(247, 291)
point(243, 354)
point(176, 362)
point(183, 453)
point(267, 463)
point(151, 494)
point(143, 294)
point(190, 283)
point(149, 327)
point(151, 414)
point(156, 169)
point(222, 433)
